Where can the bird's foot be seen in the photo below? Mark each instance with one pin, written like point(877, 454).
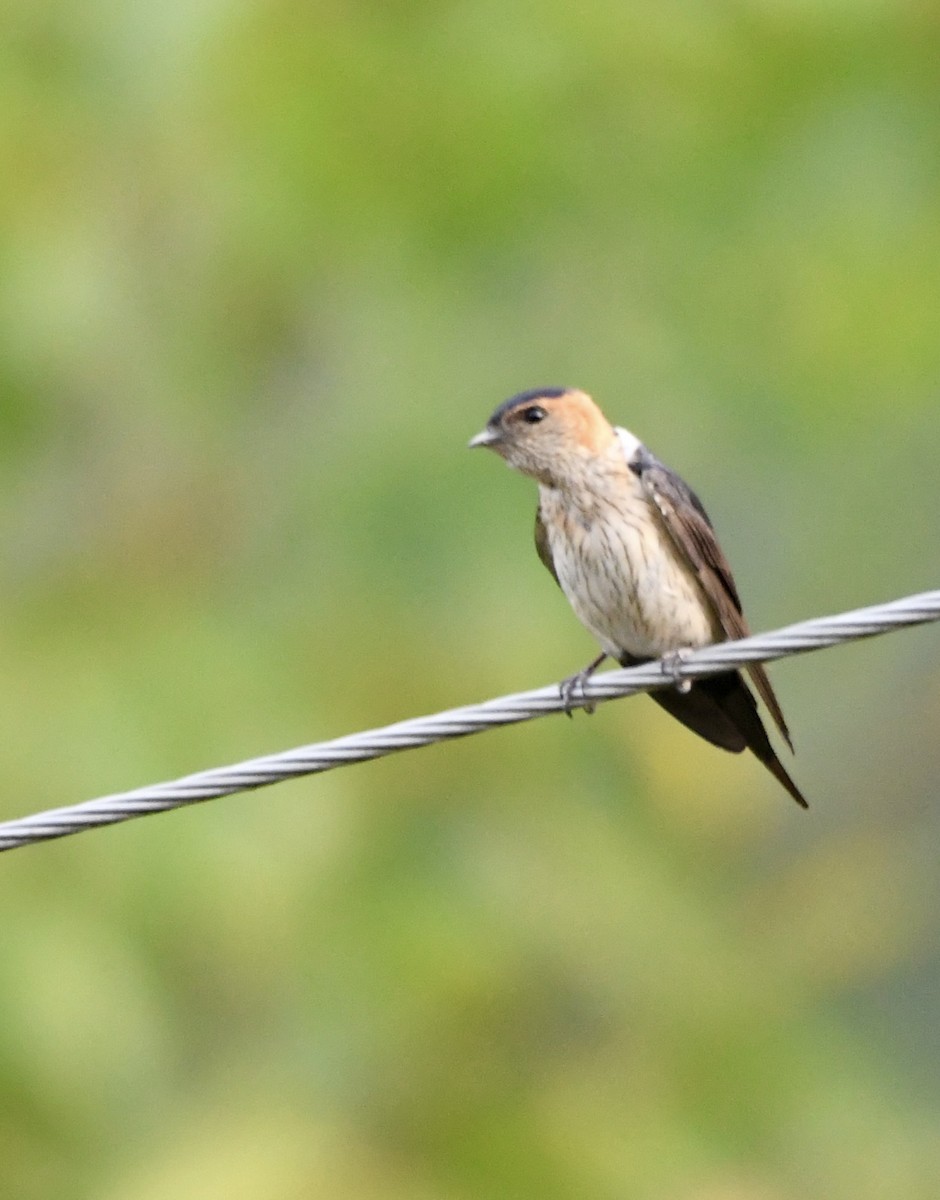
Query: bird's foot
point(569, 688)
point(672, 666)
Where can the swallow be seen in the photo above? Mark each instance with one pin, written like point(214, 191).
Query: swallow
point(636, 555)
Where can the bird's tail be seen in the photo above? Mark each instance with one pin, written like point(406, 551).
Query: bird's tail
point(738, 704)
point(723, 711)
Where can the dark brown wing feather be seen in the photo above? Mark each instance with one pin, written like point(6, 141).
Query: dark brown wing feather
point(688, 525)
point(541, 544)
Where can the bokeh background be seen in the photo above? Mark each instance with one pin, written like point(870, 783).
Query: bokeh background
point(264, 268)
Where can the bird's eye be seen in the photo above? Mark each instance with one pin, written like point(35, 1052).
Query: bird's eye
point(533, 415)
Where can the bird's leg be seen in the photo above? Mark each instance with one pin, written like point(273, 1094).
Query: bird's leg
point(575, 683)
point(672, 666)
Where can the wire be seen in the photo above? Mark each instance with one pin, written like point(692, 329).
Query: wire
point(461, 722)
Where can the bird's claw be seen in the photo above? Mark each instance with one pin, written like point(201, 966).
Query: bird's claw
point(569, 689)
point(672, 666)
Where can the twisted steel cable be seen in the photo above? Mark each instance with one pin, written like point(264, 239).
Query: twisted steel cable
point(461, 722)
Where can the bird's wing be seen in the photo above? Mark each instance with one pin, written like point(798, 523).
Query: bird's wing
point(542, 547)
point(687, 523)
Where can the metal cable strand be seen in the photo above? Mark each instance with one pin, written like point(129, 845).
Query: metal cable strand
point(460, 722)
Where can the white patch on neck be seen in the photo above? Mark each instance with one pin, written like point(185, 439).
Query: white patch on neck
point(627, 440)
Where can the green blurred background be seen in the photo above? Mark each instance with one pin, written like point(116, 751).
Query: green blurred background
point(264, 269)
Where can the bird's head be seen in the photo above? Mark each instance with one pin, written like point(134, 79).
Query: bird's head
point(547, 432)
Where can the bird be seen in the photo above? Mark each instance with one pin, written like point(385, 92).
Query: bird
point(637, 557)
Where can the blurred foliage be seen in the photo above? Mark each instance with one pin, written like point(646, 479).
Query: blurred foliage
point(264, 268)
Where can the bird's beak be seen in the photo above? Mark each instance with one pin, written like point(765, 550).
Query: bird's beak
point(486, 437)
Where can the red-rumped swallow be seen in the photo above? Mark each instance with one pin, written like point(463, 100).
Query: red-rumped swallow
point(634, 551)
